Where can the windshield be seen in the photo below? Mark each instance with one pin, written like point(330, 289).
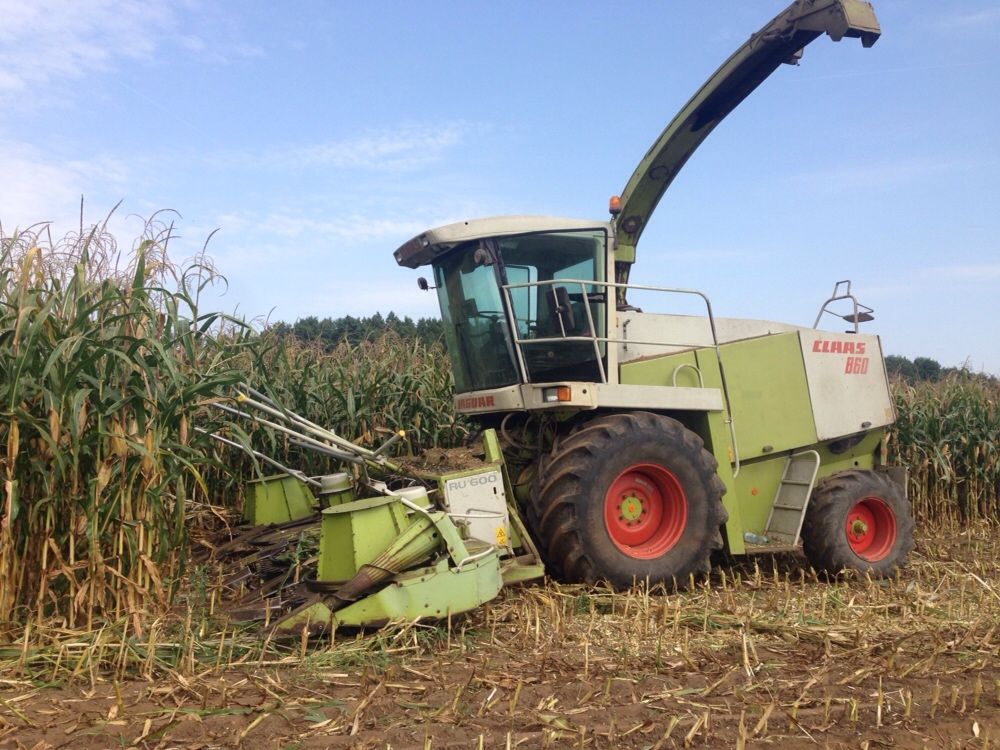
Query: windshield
point(477, 332)
point(474, 322)
point(561, 308)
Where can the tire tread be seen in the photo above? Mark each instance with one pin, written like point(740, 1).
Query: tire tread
point(560, 483)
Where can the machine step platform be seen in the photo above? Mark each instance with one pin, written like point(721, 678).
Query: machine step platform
point(792, 498)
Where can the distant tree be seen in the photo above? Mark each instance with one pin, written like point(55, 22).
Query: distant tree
point(927, 368)
point(430, 329)
point(307, 328)
point(331, 331)
point(900, 367)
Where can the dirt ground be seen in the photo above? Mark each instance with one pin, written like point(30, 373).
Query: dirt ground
point(763, 655)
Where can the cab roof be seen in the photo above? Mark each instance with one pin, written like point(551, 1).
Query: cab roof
point(425, 247)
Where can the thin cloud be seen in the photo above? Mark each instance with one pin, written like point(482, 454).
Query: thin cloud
point(345, 228)
point(51, 43)
point(399, 148)
point(36, 189)
point(972, 272)
point(354, 227)
point(46, 41)
point(977, 19)
point(399, 295)
point(246, 237)
point(403, 148)
point(880, 176)
point(941, 280)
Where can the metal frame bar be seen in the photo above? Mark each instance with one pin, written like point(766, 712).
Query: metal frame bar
point(835, 297)
point(608, 286)
point(265, 458)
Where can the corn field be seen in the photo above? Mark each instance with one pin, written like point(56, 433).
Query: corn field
point(104, 358)
point(108, 364)
point(365, 392)
point(948, 434)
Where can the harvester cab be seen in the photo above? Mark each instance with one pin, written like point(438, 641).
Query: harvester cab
point(641, 442)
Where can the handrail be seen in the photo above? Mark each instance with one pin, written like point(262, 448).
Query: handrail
point(683, 365)
point(593, 337)
point(861, 314)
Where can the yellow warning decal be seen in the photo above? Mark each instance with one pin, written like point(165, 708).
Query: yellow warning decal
point(501, 536)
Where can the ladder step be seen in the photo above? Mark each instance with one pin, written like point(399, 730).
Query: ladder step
point(791, 499)
point(776, 531)
point(783, 539)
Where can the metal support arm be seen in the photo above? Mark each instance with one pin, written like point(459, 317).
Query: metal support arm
point(780, 41)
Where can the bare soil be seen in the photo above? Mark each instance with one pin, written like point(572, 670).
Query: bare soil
point(762, 655)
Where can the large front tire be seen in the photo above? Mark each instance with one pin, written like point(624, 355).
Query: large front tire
point(858, 520)
point(629, 498)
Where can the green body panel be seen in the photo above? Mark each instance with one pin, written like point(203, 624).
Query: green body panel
point(772, 415)
point(661, 370)
point(353, 534)
point(369, 544)
point(492, 452)
point(278, 499)
point(754, 491)
point(515, 571)
point(432, 592)
point(336, 490)
point(861, 456)
point(755, 486)
point(768, 395)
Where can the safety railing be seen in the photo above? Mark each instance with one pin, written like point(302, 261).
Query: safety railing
point(859, 313)
point(608, 297)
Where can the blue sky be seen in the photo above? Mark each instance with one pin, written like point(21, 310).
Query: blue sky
point(318, 136)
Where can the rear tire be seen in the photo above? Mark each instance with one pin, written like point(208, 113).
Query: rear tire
point(858, 520)
point(628, 498)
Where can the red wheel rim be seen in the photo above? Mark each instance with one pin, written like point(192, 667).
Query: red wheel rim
point(871, 529)
point(645, 511)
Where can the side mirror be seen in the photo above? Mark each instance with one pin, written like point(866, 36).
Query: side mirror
point(423, 286)
point(562, 310)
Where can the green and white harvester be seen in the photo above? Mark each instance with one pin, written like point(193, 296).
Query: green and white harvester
point(618, 444)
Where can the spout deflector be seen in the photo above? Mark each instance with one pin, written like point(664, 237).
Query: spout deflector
point(850, 18)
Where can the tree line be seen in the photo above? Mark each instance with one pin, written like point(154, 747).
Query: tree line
point(329, 332)
point(925, 369)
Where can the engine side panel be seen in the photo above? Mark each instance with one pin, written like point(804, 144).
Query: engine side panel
point(847, 382)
